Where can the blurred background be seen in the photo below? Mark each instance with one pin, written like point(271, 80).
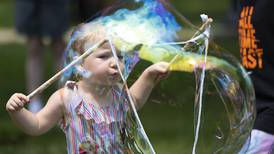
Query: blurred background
point(169, 127)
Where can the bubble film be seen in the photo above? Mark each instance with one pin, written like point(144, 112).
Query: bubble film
point(150, 31)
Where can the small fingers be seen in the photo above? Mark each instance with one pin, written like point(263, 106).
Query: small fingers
point(163, 67)
point(20, 104)
point(164, 64)
point(16, 102)
point(14, 105)
point(10, 108)
point(23, 97)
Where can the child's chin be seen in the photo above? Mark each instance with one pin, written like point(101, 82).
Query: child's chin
point(113, 82)
point(113, 79)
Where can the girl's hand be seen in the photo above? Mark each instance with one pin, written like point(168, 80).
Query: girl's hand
point(16, 102)
point(158, 71)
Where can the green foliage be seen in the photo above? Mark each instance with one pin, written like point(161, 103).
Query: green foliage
point(6, 13)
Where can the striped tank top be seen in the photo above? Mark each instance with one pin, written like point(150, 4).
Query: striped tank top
point(92, 129)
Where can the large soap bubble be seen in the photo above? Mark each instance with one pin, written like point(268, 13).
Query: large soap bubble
point(153, 31)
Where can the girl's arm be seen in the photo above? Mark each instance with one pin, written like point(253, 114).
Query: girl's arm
point(141, 89)
point(39, 123)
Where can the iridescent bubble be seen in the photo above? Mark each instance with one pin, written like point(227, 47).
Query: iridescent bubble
point(153, 31)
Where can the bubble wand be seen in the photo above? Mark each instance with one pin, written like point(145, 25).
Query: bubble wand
point(46, 84)
point(201, 30)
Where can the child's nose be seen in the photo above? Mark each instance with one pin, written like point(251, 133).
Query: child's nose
point(113, 63)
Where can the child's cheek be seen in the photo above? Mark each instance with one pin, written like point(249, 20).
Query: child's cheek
point(122, 68)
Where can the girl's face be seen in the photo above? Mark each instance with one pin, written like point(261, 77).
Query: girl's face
point(102, 65)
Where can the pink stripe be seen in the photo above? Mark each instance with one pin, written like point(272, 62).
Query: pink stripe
point(72, 136)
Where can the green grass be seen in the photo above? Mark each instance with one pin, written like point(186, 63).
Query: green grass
point(169, 120)
point(193, 8)
point(13, 140)
point(7, 13)
point(12, 79)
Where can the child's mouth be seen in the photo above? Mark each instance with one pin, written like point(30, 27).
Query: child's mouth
point(115, 75)
point(114, 72)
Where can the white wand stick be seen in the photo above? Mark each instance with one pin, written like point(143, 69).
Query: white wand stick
point(58, 75)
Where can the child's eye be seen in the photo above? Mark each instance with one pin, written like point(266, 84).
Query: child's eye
point(120, 57)
point(103, 56)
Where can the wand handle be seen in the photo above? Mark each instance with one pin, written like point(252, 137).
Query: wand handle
point(58, 75)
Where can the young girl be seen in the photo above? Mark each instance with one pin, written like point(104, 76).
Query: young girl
point(91, 111)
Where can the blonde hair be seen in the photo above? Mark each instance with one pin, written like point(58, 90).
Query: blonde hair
point(90, 33)
point(83, 37)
